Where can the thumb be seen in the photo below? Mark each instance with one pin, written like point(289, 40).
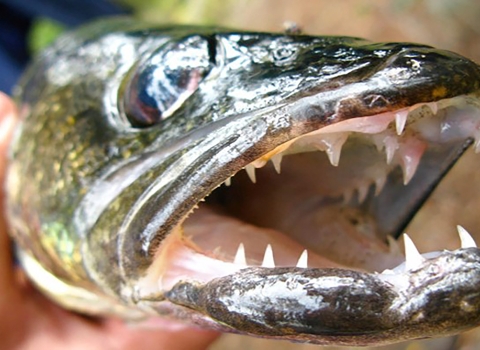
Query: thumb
point(8, 116)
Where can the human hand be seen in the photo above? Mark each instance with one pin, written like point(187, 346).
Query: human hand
point(30, 321)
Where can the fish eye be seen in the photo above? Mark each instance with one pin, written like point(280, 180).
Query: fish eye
point(159, 85)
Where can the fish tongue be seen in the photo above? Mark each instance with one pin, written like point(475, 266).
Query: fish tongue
point(287, 301)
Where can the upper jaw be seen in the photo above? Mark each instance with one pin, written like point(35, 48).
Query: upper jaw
point(253, 101)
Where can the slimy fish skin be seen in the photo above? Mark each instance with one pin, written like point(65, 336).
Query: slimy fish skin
point(247, 182)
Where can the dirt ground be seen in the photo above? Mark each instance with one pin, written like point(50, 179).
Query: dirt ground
point(446, 24)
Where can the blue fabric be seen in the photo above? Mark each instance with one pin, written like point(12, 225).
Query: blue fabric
point(16, 17)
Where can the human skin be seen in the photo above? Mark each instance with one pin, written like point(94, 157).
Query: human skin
point(30, 321)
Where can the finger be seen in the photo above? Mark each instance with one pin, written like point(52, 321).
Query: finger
point(159, 334)
point(8, 116)
point(191, 339)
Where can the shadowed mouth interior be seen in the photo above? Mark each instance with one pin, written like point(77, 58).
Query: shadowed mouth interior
point(319, 200)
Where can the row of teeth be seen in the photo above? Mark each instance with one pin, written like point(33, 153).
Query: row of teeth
point(409, 149)
point(413, 259)
point(408, 156)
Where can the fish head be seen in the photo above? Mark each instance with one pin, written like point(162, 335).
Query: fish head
point(247, 182)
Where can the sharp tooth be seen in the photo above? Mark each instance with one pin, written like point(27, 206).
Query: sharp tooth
point(362, 192)
point(378, 140)
point(303, 260)
point(277, 161)
point(433, 106)
point(411, 152)
point(251, 172)
point(332, 144)
point(413, 258)
point(228, 181)
point(268, 257)
point(400, 120)
point(240, 258)
point(391, 145)
point(334, 155)
point(466, 238)
point(334, 148)
point(380, 183)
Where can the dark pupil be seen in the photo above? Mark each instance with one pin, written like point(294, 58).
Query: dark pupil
point(141, 107)
point(171, 73)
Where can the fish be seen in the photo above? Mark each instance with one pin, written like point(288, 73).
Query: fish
point(247, 182)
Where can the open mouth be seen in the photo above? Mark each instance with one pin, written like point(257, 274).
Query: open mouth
point(309, 226)
point(337, 197)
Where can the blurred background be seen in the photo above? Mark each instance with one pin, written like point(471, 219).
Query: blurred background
point(28, 25)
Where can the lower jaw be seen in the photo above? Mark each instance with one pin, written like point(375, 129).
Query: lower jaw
point(334, 306)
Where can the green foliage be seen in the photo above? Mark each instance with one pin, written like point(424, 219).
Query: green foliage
point(208, 12)
point(180, 11)
point(42, 33)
